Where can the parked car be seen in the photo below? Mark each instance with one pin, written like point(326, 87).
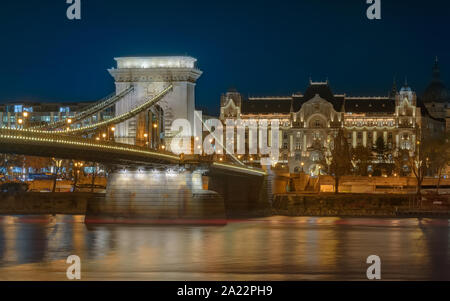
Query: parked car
point(14, 187)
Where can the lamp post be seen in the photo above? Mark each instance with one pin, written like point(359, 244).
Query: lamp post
point(78, 166)
point(25, 115)
point(154, 132)
point(111, 130)
point(302, 164)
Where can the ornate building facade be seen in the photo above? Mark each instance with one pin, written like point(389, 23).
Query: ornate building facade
point(310, 120)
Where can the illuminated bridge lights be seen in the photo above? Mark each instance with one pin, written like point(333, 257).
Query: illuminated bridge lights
point(101, 145)
point(114, 120)
point(247, 169)
point(95, 108)
point(125, 116)
point(52, 138)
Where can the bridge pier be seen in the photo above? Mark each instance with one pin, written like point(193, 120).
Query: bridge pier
point(179, 196)
point(172, 196)
point(244, 196)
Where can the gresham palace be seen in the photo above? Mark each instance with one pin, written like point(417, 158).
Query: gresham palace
point(309, 120)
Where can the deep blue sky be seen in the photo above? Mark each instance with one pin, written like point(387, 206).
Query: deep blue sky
point(259, 47)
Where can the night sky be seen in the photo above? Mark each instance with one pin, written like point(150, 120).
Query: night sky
point(258, 47)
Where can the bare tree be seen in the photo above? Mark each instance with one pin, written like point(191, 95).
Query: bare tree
point(380, 149)
point(37, 163)
point(94, 174)
point(420, 162)
point(57, 164)
point(10, 160)
point(340, 158)
point(400, 161)
point(439, 156)
point(361, 158)
point(76, 168)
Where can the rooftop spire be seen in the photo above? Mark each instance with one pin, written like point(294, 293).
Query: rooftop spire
point(436, 71)
point(394, 87)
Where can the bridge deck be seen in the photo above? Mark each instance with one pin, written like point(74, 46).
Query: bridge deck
point(50, 144)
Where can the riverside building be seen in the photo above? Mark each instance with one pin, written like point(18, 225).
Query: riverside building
point(309, 120)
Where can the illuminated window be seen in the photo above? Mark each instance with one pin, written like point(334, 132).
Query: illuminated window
point(18, 108)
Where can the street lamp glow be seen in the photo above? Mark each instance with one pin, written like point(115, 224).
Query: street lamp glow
point(20, 121)
point(25, 114)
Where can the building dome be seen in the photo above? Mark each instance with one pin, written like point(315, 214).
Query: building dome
point(405, 89)
point(436, 90)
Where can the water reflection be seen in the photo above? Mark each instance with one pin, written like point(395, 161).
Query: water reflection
point(277, 248)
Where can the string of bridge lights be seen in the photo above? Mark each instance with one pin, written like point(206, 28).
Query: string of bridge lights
point(114, 120)
point(100, 145)
point(80, 143)
point(100, 105)
point(124, 116)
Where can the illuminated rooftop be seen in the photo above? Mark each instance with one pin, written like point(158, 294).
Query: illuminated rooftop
point(156, 62)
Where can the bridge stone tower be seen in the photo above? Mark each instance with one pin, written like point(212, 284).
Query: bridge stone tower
point(149, 76)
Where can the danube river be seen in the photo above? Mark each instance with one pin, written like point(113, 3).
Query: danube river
point(275, 248)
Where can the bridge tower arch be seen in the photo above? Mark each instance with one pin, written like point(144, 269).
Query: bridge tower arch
point(149, 76)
